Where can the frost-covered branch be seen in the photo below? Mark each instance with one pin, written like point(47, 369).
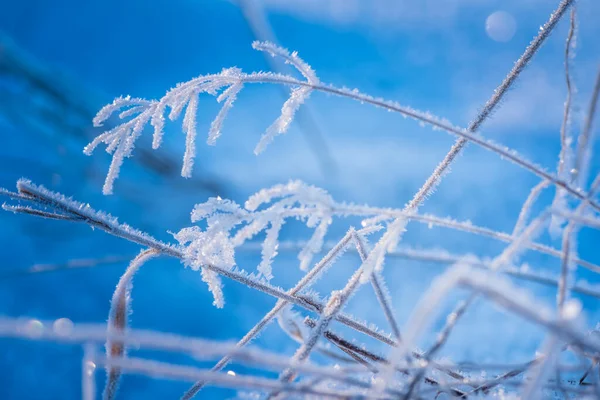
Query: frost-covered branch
point(440, 256)
point(502, 293)
point(334, 306)
point(41, 196)
point(229, 226)
point(186, 373)
point(565, 157)
point(279, 307)
point(569, 247)
point(394, 233)
point(565, 139)
point(360, 351)
point(584, 150)
point(378, 283)
point(443, 336)
point(441, 287)
point(526, 208)
point(94, 334)
point(120, 140)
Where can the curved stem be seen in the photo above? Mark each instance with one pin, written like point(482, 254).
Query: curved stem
point(117, 319)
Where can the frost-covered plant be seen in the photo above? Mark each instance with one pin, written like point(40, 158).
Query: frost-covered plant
point(120, 140)
point(222, 226)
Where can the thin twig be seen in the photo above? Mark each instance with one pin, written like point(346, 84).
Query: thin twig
point(360, 352)
point(171, 371)
point(75, 263)
point(582, 380)
point(567, 243)
point(583, 156)
point(39, 213)
point(334, 305)
point(564, 142)
point(526, 208)
point(379, 287)
point(442, 338)
point(199, 348)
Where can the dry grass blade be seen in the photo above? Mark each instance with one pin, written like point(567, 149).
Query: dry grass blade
point(117, 319)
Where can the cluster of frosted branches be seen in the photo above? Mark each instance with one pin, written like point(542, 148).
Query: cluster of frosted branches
point(223, 229)
point(229, 226)
point(52, 205)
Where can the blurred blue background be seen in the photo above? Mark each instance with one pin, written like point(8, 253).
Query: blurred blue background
point(61, 61)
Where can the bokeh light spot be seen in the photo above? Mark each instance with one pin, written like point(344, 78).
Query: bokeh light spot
point(500, 26)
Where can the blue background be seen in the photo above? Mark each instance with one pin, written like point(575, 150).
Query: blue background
point(433, 55)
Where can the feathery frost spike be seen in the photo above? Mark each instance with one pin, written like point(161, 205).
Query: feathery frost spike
point(117, 104)
point(158, 123)
point(230, 95)
point(297, 97)
point(281, 124)
point(292, 59)
point(314, 245)
point(247, 232)
point(216, 205)
point(215, 285)
point(269, 250)
point(302, 192)
point(131, 111)
point(189, 127)
point(120, 140)
point(206, 247)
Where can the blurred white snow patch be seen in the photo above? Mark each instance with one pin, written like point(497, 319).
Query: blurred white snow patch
point(500, 26)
